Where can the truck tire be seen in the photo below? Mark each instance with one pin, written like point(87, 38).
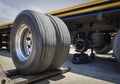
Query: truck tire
point(107, 45)
point(63, 42)
point(80, 45)
point(103, 50)
point(116, 46)
point(33, 42)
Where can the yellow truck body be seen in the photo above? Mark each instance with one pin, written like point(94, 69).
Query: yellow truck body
point(92, 6)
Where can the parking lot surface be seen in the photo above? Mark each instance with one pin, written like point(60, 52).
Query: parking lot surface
point(104, 70)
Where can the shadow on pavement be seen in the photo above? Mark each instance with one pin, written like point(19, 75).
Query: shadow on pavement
point(103, 68)
point(47, 81)
point(5, 53)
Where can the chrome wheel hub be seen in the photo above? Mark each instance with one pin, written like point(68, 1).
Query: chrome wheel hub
point(23, 42)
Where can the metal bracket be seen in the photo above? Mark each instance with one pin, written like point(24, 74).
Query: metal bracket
point(3, 77)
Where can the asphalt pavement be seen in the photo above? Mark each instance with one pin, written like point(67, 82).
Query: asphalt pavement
point(103, 70)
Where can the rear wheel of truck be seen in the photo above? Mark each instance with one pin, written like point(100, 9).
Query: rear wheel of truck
point(33, 42)
point(106, 46)
point(80, 45)
point(116, 46)
point(103, 50)
point(63, 42)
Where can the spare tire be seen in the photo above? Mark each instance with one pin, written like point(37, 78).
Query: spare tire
point(63, 42)
point(33, 42)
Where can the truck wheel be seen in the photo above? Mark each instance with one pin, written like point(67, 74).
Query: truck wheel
point(63, 42)
point(80, 45)
point(103, 50)
point(33, 42)
point(106, 46)
point(116, 46)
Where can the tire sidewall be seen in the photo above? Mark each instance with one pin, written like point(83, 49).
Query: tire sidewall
point(116, 46)
point(35, 53)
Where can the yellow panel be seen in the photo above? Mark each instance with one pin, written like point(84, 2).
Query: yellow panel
point(77, 6)
point(90, 9)
point(6, 25)
point(4, 42)
point(75, 12)
point(4, 34)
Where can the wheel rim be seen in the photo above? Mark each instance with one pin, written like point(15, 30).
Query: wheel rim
point(80, 45)
point(23, 42)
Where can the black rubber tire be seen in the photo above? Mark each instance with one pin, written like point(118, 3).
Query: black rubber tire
point(116, 46)
point(103, 50)
point(44, 44)
point(63, 42)
point(84, 48)
point(107, 45)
